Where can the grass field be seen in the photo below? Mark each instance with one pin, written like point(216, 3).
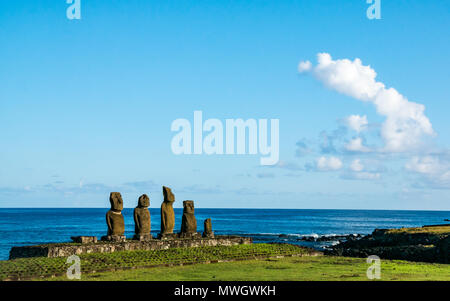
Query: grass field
point(248, 262)
point(307, 268)
point(440, 229)
point(42, 267)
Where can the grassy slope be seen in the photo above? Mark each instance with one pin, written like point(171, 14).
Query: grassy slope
point(307, 268)
point(27, 268)
point(444, 229)
point(292, 268)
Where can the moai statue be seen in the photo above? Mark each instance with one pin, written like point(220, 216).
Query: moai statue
point(142, 219)
point(167, 214)
point(114, 218)
point(208, 232)
point(188, 222)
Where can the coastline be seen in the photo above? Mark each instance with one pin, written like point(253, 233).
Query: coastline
point(310, 228)
point(428, 243)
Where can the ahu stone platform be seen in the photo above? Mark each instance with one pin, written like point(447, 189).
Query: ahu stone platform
point(68, 249)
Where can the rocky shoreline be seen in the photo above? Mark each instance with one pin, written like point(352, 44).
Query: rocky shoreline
point(425, 244)
point(326, 238)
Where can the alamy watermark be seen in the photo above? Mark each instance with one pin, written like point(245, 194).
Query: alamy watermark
point(374, 10)
point(74, 9)
point(213, 142)
point(374, 271)
point(74, 271)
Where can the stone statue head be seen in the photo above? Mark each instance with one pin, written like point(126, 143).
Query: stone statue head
point(144, 201)
point(168, 195)
point(115, 198)
point(188, 207)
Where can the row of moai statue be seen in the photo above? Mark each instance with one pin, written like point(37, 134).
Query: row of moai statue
point(116, 223)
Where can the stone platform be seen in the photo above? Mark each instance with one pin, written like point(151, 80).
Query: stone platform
point(67, 249)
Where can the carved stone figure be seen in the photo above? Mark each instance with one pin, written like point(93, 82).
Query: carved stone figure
point(114, 218)
point(208, 232)
point(142, 219)
point(188, 222)
point(167, 214)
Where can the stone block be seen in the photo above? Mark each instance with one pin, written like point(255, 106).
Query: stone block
point(114, 238)
point(84, 239)
point(144, 237)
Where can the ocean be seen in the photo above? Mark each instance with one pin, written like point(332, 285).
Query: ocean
point(31, 226)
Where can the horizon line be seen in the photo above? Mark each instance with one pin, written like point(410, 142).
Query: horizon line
point(242, 208)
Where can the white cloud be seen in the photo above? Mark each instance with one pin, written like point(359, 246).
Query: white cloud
point(302, 148)
point(434, 169)
point(405, 123)
point(356, 165)
point(288, 165)
point(264, 175)
point(329, 163)
point(304, 66)
point(358, 172)
point(366, 175)
point(357, 123)
point(425, 165)
point(356, 145)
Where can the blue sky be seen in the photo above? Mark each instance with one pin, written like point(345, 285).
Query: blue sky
point(86, 105)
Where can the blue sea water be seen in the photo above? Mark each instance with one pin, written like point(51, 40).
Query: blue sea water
point(31, 226)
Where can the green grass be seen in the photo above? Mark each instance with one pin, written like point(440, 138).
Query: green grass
point(307, 268)
point(185, 264)
point(28, 268)
point(430, 230)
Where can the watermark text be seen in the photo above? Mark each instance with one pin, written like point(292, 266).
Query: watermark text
point(235, 141)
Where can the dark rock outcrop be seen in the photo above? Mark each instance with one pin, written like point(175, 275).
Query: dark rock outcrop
point(425, 245)
point(443, 250)
point(324, 238)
